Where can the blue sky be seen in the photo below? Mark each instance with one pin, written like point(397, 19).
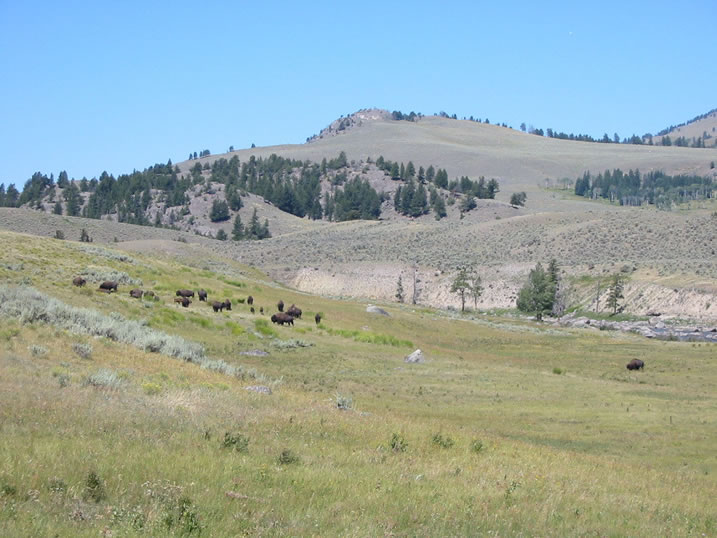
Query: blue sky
point(93, 86)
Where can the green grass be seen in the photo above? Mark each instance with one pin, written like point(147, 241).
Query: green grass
point(485, 438)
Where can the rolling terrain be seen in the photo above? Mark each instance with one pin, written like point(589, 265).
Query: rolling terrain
point(122, 416)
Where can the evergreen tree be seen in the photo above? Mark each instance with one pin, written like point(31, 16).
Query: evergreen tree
point(221, 235)
point(238, 229)
point(537, 295)
point(468, 203)
point(62, 180)
point(614, 293)
point(220, 211)
point(410, 170)
point(439, 208)
point(264, 231)
point(254, 229)
point(73, 198)
point(518, 199)
point(430, 174)
point(57, 210)
point(399, 290)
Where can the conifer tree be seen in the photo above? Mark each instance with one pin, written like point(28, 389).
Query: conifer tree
point(238, 229)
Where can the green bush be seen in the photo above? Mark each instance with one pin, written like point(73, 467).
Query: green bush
point(94, 488)
point(398, 443)
point(237, 441)
point(443, 442)
point(287, 457)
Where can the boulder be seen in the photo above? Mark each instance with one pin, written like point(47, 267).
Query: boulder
point(415, 357)
point(371, 309)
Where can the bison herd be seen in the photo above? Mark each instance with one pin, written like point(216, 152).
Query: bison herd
point(184, 298)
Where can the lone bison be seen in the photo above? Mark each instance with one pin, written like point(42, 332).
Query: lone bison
point(136, 293)
point(109, 286)
point(635, 364)
point(294, 311)
point(250, 300)
point(282, 318)
point(185, 293)
point(79, 281)
point(184, 301)
point(280, 305)
point(202, 295)
point(251, 309)
point(219, 306)
point(317, 318)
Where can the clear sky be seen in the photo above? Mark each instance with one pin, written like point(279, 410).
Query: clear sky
point(97, 85)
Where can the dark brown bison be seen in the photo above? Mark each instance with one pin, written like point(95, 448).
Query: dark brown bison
point(149, 293)
point(280, 305)
point(79, 281)
point(109, 286)
point(250, 300)
point(281, 318)
point(185, 293)
point(202, 295)
point(136, 293)
point(261, 310)
point(220, 306)
point(317, 318)
point(294, 311)
point(635, 364)
point(251, 309)
point(184, 301)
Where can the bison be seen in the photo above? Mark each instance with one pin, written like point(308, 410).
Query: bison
point(294, 311)
point(136, 293)
point(251, 309)
point(250, 300)
point(185, 293)
point(220, 306)
point(202, 295)
point(280, 305)
point(184, 301)
point(109, 286)
point(79, 281)
point(282, 318)
point(261, 310)
point(635, 364)
point(317, 318)
point(149, 293)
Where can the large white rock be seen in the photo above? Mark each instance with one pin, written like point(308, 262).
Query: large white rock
point(371, 309)
point(416, 357)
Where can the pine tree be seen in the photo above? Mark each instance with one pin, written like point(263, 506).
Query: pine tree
point(57, 210)
point(238, 230)
point(221, 235)
point(220, 211)
point(537, 295)
point(439, 208)
point(614, 293)
point(399, 290)
point(73, 199)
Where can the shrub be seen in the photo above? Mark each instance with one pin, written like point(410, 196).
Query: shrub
point(557, 371)
point(344, 403)
point(398, 443)
point(287, 457)
point(262, 327)
point(237, 441)
point(104, 378)
point(100, 274)
point(476, 446)
point(84, 351)
point(38, 351)
point(94, 488)
point(443, 442)
point(151, 388)
point(291, 344)
point(56, 485)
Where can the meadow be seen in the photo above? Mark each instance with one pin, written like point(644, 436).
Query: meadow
point(509, 428)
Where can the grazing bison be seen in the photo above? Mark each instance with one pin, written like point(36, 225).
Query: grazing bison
point(136, 293)
point(220, 306)
point(280, 305)
point(184, 301)
point(79, 281)
point(261, 310)
point(250, 300)
point(317, 318)
point(251, 309)
point(635, 364)
point(109, 286)
point(185, 293)
point(294, 311)
point(202, 295)
point(282, 318)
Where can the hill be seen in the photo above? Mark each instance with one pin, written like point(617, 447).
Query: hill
point(670, 254)
point(125, 416)
point(703, 127)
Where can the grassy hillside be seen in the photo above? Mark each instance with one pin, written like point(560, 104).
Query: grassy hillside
point(519, 160)
point(507, 428)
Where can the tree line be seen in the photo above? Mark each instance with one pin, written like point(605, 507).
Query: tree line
point(635, 189)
